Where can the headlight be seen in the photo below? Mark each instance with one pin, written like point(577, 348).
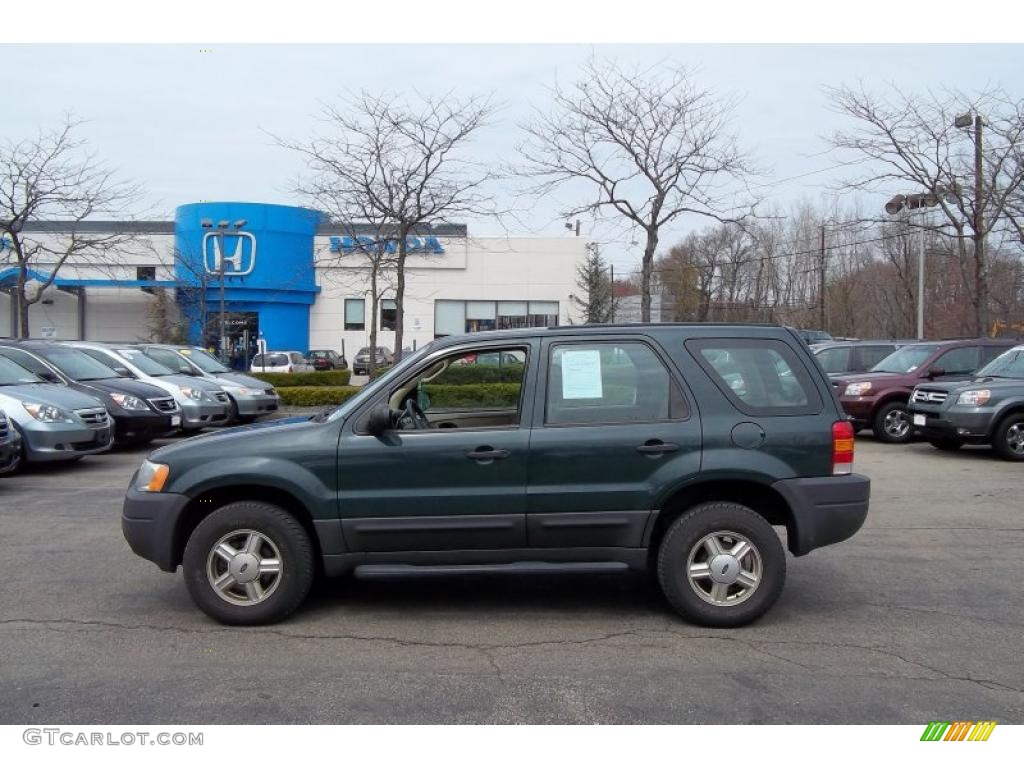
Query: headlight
point(128, 402)
point(857, 389)
point(48, 413)
point(246, 392)
point(974, 397)
point(192, 393)
point(151, 477)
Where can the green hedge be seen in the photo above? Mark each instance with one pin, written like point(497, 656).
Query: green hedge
point(379, 371)
point(498, 395)
point(315, 395)
point(308, 379)
point(482, 374)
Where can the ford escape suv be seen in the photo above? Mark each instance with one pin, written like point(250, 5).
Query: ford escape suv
point(670, 448)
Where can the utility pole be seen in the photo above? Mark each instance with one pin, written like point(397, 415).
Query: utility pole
point(821, 286)
point(981, 273)
point(611, 268)
point(920, 276)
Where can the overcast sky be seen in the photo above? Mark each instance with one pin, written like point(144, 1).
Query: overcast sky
point(191, 125)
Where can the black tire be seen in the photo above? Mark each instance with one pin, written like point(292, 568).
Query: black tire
point(884, 431)
point(232, 412)
point(683, 537)
point(1005, 437)
point(276, 525)
point(948, 444)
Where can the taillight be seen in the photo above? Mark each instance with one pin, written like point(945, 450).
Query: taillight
point(842, 448)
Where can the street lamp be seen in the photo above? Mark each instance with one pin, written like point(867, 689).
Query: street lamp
point(921, 202)
point(965, 122)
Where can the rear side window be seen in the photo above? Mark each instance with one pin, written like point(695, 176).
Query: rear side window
point(610, 383)
point(834, 359)
point(762, 377)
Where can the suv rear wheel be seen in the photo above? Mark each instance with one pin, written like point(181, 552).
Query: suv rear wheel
point(721, 565)
point(248, 563)
point(892, 423)
point(1008, 439)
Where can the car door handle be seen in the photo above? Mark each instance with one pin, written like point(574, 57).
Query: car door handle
point(486, 453)
point(657, 447)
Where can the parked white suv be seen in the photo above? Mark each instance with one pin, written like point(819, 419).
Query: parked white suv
point(280, 362)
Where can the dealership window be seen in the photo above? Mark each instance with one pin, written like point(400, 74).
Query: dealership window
point(355, 314)
point(454, 317)
point(388, 314)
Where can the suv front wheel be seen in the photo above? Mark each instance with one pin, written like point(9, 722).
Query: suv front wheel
point(892, 423)
point(1008, 438)
point(248, 563)
point(721, 565)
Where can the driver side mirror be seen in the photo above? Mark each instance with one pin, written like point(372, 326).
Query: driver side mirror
point(934, 373)
point(379, 420)
point(50, 377)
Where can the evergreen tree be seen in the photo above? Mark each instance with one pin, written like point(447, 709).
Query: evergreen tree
point(597, 303)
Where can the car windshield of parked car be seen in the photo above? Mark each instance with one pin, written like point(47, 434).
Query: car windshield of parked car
point(79, 366)
point(11, 374)
point(204, 361)
point(1009, 365)
point(271, 359)
point(144, 363)
point(906, 359)
point(319, 354)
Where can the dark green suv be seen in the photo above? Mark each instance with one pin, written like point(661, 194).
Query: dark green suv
point(673, 448)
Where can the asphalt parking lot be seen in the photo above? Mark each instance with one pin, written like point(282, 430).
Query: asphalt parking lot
point(918, 617)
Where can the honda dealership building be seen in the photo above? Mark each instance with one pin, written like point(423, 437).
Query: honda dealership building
point(288, 275)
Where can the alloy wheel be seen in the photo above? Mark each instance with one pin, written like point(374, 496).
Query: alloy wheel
point(244, 567)
point(724, 568)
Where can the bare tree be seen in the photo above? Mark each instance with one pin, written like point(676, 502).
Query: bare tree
point(651, 147)
point(401, 163)
point(53, 176)
point(912, 145)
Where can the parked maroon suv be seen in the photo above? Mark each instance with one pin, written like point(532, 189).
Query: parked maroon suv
point(878, 399)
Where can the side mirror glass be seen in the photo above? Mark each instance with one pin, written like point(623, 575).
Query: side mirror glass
point(379, 420)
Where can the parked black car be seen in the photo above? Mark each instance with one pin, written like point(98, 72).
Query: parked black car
point(840, 357)
point(327, 360)
point(141, 412)
point(989, 410)
point(671, 448)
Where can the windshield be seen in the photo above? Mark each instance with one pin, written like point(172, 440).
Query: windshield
point(204, 361)
point(1009, 365)
point(78, 365)
point(271, 359)
point(12, 373)
point(147, 365)
point(906, 359)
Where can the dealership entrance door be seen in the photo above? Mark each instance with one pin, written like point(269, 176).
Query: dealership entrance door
point(241, 330)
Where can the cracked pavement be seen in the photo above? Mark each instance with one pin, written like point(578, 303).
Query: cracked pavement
point(920, 616)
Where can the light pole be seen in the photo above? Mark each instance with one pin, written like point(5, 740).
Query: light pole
point(920, 202)
point(965, 122)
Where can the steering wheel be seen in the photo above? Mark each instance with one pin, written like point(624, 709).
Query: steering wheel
point(413, 414)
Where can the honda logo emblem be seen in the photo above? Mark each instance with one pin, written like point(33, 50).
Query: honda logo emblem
point(230, 251)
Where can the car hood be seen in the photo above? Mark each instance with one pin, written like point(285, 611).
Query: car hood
point(849, 378)
point(50, 394)
point(994, 384)
point(126, 385)
point(191, 381)
point(238, 380)
point(236, 435)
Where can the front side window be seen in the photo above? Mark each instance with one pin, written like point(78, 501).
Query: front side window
point(760, 377)
point(959, 361)
point(388, 314)
point(609, 383)
point(355, 314)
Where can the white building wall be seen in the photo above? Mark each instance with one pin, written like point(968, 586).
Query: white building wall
point(472, 269)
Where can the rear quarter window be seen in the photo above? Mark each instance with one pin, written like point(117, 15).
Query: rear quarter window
point(761, 377)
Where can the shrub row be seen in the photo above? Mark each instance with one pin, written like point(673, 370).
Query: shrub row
point(500, 395)
point(308, 379)
point(316, 395)
point(482, 374)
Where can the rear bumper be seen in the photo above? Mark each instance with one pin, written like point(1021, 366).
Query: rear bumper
point(149, 522)
point(255, 405)
point(825, 510)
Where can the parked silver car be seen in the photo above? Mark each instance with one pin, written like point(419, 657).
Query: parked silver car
point(250, 398)
point(10, 446)
point(202, 403)
point(55, 423)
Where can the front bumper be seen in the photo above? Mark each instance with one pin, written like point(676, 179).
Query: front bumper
point(964, 423)
point(256, 405)
point(825, 510)
point(196, 414)
point(149, 522)
point(142, 425)
point(860, 409)
point(59, 442)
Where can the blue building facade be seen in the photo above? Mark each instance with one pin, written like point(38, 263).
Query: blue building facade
point(260, 258)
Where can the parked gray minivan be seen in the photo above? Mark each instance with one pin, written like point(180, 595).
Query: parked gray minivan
point(55, 423)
